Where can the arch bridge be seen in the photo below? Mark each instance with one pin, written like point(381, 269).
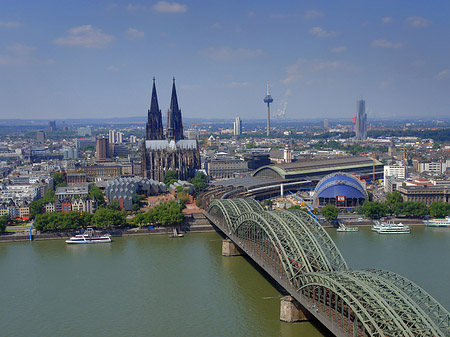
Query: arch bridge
point(292, 247)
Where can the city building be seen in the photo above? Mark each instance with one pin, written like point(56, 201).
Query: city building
point(40, 136)
point(102, 172)
point(52, 125)
point(223, 167)
point(84, 132)
point(123, 189)
point(398, 172)
point(287, 154)
point(237, 127)
point(102, 149)
point(326, 124)
point(172, 152)
point(340, 189)
point(361, 120)
point(432, 167)
point(71, 191)
point(426, 193)
point(70, 152)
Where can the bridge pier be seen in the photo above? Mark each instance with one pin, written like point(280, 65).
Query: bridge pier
point(230, 249)
point(292, 311)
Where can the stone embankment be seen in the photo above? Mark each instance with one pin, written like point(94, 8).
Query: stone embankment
point(193, 223)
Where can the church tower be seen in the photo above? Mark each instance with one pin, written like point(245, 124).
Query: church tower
point(154, 126)
point(174, 120)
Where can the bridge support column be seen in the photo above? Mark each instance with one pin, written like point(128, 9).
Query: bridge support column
point(230, 249)
point(292, 311)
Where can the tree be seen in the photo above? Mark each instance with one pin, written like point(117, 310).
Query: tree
point(135, 207)
point(374, 209)
point(170, 177)
point(97, 193)
point(199, 181)
point(3, 223)
point(330, 212)
point(394, 197)
point(105, 217)
point(415, 209)
point(439, 209)
point(59, 179)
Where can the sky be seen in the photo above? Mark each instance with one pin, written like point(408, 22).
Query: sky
point(80, 59)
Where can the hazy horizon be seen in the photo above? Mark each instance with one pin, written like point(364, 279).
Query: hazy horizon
point(97, 59)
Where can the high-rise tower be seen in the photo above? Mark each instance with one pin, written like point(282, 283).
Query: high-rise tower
point(268, 99)
point(154, 126)
point(174, 120)
point(361, 120)
point(237, 127)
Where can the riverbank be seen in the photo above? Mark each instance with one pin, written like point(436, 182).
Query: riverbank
point(197, 223)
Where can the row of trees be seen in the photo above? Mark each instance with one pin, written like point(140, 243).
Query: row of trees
point(104, 217)
point(394, 205)
point(167, 213)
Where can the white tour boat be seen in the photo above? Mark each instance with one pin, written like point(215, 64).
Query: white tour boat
point(89, 237)
point(344, 228)
point(438, 222)
point(391, 228)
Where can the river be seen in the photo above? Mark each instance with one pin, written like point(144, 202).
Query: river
point(156, 286)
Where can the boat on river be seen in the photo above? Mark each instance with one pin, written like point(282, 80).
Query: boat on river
point(438, 222)
point(176, 234)
point(344, 228)
point(89, 237)
point(390, 228)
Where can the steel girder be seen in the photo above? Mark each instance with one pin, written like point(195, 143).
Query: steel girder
point(331, 252)
point(381, 306)
point(317, 259)
point(431, 309)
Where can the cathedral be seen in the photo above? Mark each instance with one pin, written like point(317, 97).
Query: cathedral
point(170, 152)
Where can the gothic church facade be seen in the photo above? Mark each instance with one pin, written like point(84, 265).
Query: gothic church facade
point(161, 153)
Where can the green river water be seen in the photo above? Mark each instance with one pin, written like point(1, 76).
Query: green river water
point(156, 286)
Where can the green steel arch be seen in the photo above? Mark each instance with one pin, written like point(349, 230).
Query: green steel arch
point(378, 306)
point(295, 247)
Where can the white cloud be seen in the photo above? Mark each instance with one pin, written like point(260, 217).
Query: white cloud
point(217, 26)
point(386, 83)
point(227, 53)
point(85, 36)
point(312, 13)
point(251, 14)
point(9, 24)
point(320, 32)
point(386, 19)
point(20, 49)
point(238, 84)
point(304, 67)
point(169, 7)
point(134, 34)
point(382, 43)
point(20, 54)
point(417, 22)
point(288, 92)
point(339, 49)
point(443, 74)
point(112, 68)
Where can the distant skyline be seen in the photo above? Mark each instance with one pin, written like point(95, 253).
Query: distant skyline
point(83, 59)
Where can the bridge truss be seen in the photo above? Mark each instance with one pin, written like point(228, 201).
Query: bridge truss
point(299, 254)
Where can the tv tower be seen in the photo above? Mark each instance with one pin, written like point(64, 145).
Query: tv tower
point(268, 99)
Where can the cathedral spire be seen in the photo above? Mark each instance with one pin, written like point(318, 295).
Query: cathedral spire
point(174, 121)
point(154, 127)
